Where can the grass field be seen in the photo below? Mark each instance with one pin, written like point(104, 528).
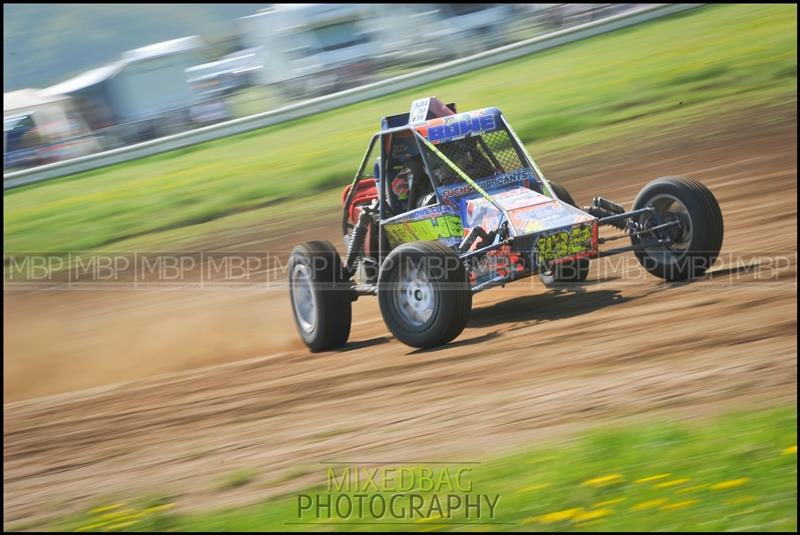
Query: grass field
point(686, 68)
point(738, 472)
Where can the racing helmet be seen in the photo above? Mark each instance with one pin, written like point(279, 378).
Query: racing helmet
point(404, 148)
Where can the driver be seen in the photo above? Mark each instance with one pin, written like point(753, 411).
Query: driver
point(410, 184)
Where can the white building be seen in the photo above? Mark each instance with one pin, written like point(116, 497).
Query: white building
point(309, 47)
point(40, 128)
point(144, 83)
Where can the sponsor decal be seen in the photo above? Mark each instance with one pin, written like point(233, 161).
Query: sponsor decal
point(547, 215)
point(528, 211)
point(451, 193)
point(576, 241)
point(500, 262)
point(458, 126)
point(479, 212)
point(459, 129)
point(447, 228)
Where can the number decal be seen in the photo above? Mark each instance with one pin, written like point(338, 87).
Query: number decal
point(564, 243)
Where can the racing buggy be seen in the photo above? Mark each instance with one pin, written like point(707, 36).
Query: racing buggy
point(447, 204)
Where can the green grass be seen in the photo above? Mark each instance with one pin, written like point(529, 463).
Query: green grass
point(707, 63)
point(737, 472)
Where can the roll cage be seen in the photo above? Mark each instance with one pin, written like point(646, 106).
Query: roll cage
point(428, 151)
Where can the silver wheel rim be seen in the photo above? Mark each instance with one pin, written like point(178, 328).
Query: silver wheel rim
point(670, 208)
point(303, 299)
point(414, 295)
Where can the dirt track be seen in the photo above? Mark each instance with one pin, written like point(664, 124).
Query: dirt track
point(530, 359)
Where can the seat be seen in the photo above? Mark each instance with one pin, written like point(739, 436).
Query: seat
point(366, 192)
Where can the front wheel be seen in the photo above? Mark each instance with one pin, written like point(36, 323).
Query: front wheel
point(693, 241)
point(321, 296)
point(424, 294)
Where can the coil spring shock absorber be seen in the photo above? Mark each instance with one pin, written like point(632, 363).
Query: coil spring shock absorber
point(601, 208)
point(356, 246)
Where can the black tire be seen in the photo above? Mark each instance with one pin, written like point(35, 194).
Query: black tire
point(326, 324)
point(441, 285)
point(697, 241)
point(566, 272)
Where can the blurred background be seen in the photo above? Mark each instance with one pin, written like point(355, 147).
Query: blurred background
point(80, 81)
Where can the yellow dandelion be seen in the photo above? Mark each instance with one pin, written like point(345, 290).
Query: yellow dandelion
point(648, 504)
point(135, 516)
point(609, 502)
point(159, 508)
point(602, 481)
point(591, 515)
point(533, 488)
point(679, 505)
point(673, 483)
point(431, 518)
point(730, 484)
point(117, 514)
point(653, 478)
point(693, 488)
point(530, 520)
point(790, 450)
point(559, 516)
point(104, 508)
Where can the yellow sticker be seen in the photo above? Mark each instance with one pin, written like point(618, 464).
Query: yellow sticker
point(444, 226)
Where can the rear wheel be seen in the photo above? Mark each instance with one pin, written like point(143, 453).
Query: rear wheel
point(321, 296)
point(566, 272)
point(696, 239)
point(424, 294)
